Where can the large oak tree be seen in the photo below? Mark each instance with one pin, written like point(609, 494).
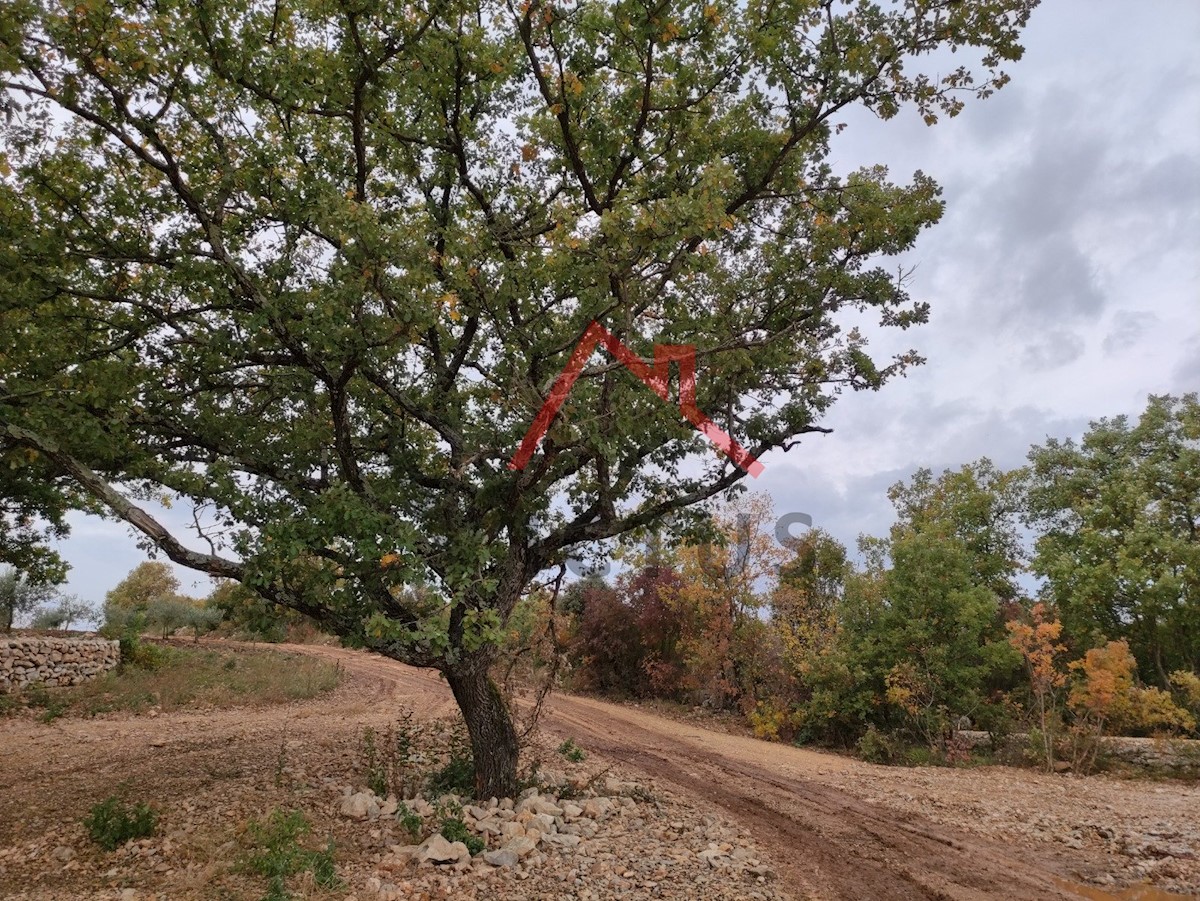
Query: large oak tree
point(316, 263)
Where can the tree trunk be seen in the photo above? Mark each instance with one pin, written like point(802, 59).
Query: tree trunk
point(494, 742)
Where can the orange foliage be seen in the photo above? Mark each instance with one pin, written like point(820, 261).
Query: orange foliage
point(1038, 643)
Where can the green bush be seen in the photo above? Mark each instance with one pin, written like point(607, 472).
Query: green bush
point(455, 830)
point(112, 824)
point(878, 747)
point(410, 821)
point(278, 854)
point(457, 777)
point(124, 623)
point(375, 764)
point(138, 654)
point(571, 751)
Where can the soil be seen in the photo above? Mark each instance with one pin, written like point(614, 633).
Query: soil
point(830, 827)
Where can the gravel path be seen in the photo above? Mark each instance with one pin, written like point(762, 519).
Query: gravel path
point(715, 815)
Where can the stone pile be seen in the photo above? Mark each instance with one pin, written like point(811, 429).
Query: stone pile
point(614, 840)
point(26, 661)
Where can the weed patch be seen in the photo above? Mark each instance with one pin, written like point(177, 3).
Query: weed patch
point(112, 824)
point(277, 853)
point(572, 751)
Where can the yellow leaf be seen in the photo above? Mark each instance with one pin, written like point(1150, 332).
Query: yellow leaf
point(451, 301)
point(388, 560)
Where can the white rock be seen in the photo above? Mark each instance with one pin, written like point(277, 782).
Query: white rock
point(361, 806)
point(511, 829)
point(490, 826)
point(541, 805)
point(522, 845)
point(541, 823)
point(502, 857)
point(436, 849)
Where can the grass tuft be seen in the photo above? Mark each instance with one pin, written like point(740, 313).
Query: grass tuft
point(276, 853)
point(112, 824)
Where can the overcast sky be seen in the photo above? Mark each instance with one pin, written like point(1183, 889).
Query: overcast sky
point(1064, 278)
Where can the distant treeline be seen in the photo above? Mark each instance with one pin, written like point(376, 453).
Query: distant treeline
point(934, 629)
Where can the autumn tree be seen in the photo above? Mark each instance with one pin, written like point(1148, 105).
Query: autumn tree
point(723, 580)
point(145, 584)
point(1037, 639)
point(809, 592)
point(1117, 517)
point(314, 268)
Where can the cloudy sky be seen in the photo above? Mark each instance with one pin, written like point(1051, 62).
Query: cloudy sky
point(1064, 278)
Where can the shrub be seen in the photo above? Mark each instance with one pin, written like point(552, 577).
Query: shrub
point(410, 821)
point(876, 747)
point(1106, 700)
point(376, 766)
point(1185, 686)
point(138, 654)
point(278, 854)
point(571, 751)
point(773, 722)
point(455, 830)
point(456, 777)
point(1152, 711)
point(124, 623)
point(112, 824)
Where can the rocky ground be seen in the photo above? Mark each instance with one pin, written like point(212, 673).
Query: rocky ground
point(657, 809)
point(1145, 832)
point(208, 775)
point(620, 842)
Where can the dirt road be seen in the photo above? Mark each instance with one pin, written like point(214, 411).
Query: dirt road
point(826, 842)
point(832, 827)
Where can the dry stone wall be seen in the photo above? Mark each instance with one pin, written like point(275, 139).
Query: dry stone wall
point(1175, 756)
point(25, 660)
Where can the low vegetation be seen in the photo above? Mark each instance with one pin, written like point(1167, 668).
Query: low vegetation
point(276, 850)
point(172, 678)
point(113, 823)
point(931, 629)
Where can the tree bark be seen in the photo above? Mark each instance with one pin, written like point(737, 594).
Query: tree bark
point(494, 743)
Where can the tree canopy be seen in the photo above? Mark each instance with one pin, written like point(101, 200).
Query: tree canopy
point(20, 596)
point(313, 267)
point(145, 584)
point(1118, 517)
